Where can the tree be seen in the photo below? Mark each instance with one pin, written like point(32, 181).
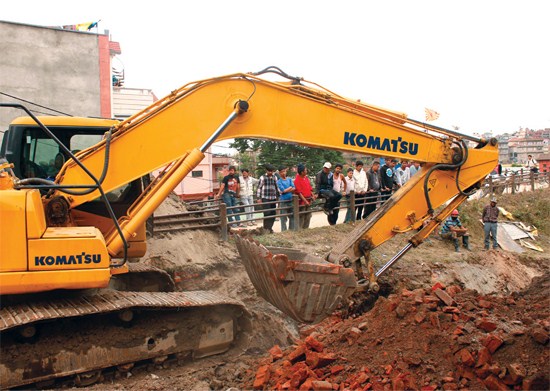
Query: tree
point(278, 153)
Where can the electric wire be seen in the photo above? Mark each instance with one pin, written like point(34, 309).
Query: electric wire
point(35, 104)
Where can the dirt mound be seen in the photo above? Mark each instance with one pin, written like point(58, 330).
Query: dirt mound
point(434, 338)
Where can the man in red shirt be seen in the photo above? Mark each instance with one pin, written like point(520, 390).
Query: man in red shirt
point(305, 192)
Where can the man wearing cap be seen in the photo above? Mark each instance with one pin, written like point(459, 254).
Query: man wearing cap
point(452, 229)
point(267, 194)
point(490, 223)
point(305, 194)
point(325, 188)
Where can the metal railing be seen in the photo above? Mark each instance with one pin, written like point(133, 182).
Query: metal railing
point(514, 182)
point(216, 214)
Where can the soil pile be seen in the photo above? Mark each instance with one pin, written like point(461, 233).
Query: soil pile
point(434, 338)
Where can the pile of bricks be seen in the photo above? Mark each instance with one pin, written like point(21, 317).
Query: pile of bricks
point(439, 338)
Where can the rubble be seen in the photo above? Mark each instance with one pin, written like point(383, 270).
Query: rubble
point(438, 338)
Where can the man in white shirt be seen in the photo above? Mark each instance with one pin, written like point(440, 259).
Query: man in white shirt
point(403, 173)
point(532, 164)
point(361, 186)
point(414, 168)
point(246, 192)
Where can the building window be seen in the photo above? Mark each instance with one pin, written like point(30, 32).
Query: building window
point(196, 174)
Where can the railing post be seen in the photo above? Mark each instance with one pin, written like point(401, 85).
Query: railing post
point(532, 177)
point(513, 183)
point(296, 212)
point(352, 204)
point(223, 221)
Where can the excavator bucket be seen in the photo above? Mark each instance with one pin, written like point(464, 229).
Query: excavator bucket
point(306, 288)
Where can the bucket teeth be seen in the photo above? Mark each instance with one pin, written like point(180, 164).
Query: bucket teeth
point(306, 288)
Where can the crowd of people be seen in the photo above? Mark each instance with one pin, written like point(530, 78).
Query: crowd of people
point(372, 186)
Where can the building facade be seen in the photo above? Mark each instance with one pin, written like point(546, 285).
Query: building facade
point(50, 69)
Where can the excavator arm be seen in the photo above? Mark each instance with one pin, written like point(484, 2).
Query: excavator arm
point(176, 131)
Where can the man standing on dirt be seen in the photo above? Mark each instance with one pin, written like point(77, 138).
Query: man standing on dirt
point(305, 193)
point(230, 190)
point(452, 229)
point(490, 223)
point(286, 189)
point(267, 194)
point(246, 184)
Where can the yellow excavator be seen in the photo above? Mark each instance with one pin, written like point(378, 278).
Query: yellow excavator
point(74, 203)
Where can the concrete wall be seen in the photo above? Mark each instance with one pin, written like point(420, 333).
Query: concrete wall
point(128, 101)
point(51, 67)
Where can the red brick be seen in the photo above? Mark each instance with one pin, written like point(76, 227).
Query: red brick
point(262, 377)
point(428, 388)
point(431, 299)
point(465, 357)
point(392, 304)
point(276, 352)
point(419, 317)
point(362, 378)
point(434, 320)
point(493, 383)
point(486, 325)
point(313, 344)
point(492, 342)
point(483, 357)
point(336, 369)
point(319, 360)
point(517, 372)
point(298, 378)
point(539, 335)
point(484, 371)
point(306, 386)
point(450, 386)
point(321, 385)
point(444, 297)
point(449, 310)
point(484, 303)
point(438, 285)
point(452, 290)
point(298, 354)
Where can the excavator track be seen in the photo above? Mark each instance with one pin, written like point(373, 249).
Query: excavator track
point(46, 340)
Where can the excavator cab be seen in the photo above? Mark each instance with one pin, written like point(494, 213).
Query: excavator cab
point(36, 155)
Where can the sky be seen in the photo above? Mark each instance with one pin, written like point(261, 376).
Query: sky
point(484, 65)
